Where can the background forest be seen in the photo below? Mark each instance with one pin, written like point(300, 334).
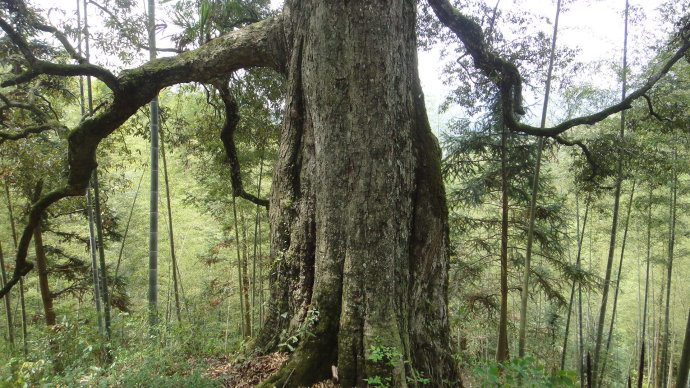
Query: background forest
point(569, 253)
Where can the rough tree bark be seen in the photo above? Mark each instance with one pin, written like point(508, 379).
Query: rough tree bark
point(358, 213)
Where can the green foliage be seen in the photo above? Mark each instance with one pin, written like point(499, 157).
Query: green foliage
point(384, 354)
point(289, 341)
point(521, 372)
point(72, 356)
point(390, 356)
point(379, 382)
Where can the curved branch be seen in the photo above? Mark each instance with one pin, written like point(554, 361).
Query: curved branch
point(260, 44)
point(506, 77)
point(651, 109)
point(37, 67)
point(227, 137)
point(62, 38)
point(22, 266)
point(40, 67)
point(585, 151)
point(4, 136)
point(257, 45)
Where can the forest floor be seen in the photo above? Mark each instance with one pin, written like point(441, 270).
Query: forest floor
point(248, 373)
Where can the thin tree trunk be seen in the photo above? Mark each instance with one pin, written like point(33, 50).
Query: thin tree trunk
point(566, 335)
point(684, 366)
point(656, 350)
point(502, 348)
point(614, 223)
point(580, 360)
point(103, 281)
point(643, 335)
point(261, 279)
point(240, 285)
point(6, 299)
point(590, 383)
point(618, 281)
point(171, 234)
point(671, 242)
point(669, 365)
point(42, 267)
point(153, 203)
point(245, 277)
point(227, 323)
point(129, 221)
point(255, 258)
point(168, 299)
point(580, 237)
point(22, 303)
point(94, 261)
point(96, 212)
point(607, 279)
point(533, 200)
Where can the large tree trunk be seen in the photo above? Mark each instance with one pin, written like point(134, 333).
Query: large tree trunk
point(358, 214)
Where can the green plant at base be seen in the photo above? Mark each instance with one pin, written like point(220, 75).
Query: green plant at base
point(389, 355)
point(385, 354)
point(290, 341)
point(521, 372)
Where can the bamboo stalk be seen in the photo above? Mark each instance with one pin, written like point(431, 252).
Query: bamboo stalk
point(239, 267)
point(22, 301)
point(171, 236)
point(129, 221)
point(533, 199)
point(618, 279)
point(153, 203)
point(614, 223)
point(94, 262)
point(6, 299)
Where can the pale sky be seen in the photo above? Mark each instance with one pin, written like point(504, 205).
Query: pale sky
point(593, 26)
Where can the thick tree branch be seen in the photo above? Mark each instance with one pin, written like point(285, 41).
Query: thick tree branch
point(257, 45)
point(260, 44)
point(506, 77)
point(227, 137)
